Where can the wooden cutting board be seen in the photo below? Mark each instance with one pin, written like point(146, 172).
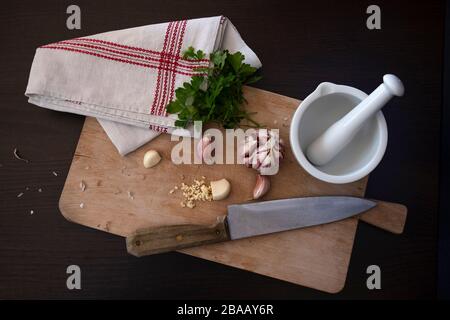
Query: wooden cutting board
point(122, 196)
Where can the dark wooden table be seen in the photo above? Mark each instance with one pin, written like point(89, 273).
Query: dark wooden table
point(300, 44)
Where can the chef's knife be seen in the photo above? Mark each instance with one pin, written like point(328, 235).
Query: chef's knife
point(248, 220)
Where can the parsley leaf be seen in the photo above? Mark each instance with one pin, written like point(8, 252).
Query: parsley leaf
point(218, 96)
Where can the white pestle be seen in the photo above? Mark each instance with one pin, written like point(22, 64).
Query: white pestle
point(337, 136)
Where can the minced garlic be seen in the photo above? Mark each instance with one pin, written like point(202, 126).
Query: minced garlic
point(199, 190)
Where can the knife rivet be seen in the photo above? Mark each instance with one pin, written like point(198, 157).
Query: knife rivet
point(217, 231)
point(179, 237)
point(137, 243)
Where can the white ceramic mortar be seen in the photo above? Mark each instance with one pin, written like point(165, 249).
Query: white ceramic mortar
point(321, 109)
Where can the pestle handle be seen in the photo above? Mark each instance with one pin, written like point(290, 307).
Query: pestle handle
point(337, 136)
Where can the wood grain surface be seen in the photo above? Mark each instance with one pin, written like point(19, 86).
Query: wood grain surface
point(300, 44)
point(122, 196)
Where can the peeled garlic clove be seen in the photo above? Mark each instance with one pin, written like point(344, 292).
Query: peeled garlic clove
point(261, 187)
point(151, 158)
point(220, 189)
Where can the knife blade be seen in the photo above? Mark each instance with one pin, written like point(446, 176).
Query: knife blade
point(253, 219)
point(248, 220)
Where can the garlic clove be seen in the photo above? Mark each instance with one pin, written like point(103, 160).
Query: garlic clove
point(202, 145)
point(278, 154)
point(262, 185)
point(268, 161)
point(247, 162)
point(250, 147)
point(254, 161)
point(220, 189)
point(262, 156)
point(151, 158)
point(209, 154)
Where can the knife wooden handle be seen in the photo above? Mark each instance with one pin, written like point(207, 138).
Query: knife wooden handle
point(154, 240)
point(388, 216)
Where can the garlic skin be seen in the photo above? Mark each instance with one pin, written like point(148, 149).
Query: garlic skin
point(220, 189)
point(151, 158)
point(263, 151)
point(262, 186)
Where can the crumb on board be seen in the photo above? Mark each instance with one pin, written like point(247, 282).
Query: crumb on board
point(82, 186)
point(19, 195)
point(130, 195)
point(31, 211)
point(55, 174)
point(18, 157)
point(82, 205)
point(190, 204)
point(40, 190)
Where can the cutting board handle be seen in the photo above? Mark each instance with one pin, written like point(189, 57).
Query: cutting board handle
point(388, 216)
point(154, 240)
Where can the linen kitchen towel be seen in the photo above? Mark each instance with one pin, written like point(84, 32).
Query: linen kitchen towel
point(126, 78)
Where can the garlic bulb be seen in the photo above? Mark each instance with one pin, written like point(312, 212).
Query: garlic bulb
point(262, 150)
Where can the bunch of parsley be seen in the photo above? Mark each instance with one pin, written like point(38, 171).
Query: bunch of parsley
point(216, 97)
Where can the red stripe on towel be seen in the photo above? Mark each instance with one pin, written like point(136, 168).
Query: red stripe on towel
point(158, 53)
point(107, 51)
point(127, 61)
point(156, 95)
point(167, 74)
